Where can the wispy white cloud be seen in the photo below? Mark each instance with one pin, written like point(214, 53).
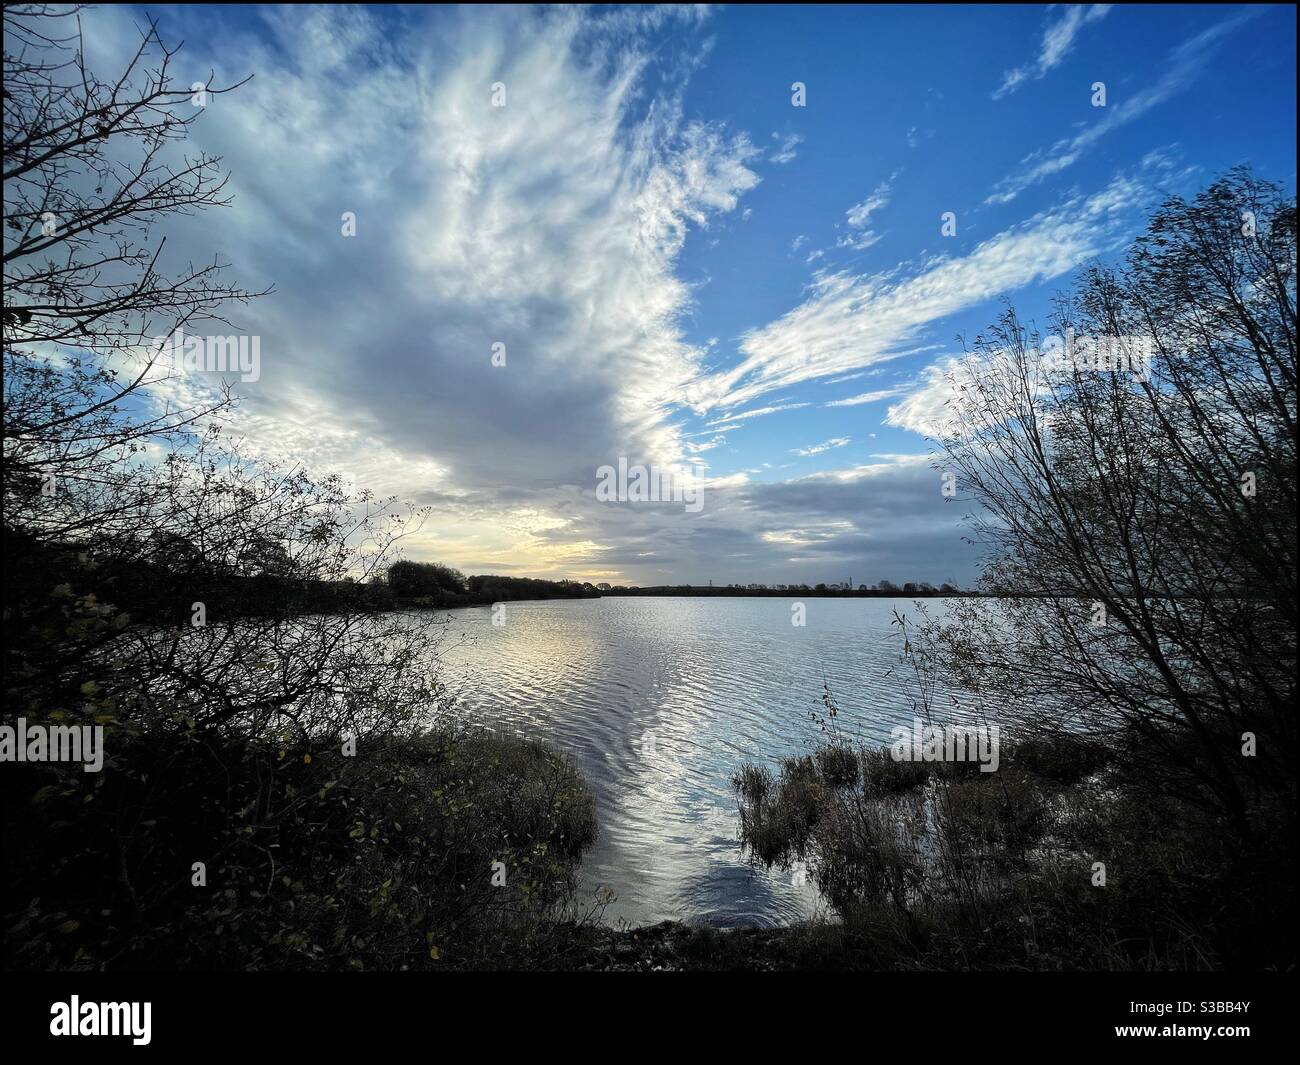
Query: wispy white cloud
point(852, 322)
point(866, 397)
point(858, 217)
point(825, 445)
point(1058, 40)
point(1184, 65)
point(785, 151)
point(927, 409)
point(758, 412)
point(708, 445)
point(860, 213)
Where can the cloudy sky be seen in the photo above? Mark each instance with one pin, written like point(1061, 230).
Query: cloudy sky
point(683, 266)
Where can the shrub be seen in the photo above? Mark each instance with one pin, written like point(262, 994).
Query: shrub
point(313, 859)
point(937, 865)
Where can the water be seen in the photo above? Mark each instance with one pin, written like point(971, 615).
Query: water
point(658, 701)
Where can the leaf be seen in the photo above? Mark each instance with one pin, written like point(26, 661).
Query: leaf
point(68, 927)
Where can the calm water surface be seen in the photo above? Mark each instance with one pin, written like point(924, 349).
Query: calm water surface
point(715, 682)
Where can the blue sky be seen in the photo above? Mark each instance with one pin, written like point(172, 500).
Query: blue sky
point(683, 266)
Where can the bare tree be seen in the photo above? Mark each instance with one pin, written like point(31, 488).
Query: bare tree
point(1139, 512)
point(123, 513)
point(119, 495)
point(91, 167)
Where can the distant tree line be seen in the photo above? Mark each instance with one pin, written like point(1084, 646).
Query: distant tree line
point(883, 589)
point(433, 584)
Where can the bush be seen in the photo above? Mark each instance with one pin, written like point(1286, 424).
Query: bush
point(937, 865)
point(313, 859)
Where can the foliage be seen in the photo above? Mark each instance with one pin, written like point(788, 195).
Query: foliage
point(215, 613)
point(313, 859)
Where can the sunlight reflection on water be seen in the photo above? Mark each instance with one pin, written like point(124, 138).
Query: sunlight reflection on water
point(658, 701)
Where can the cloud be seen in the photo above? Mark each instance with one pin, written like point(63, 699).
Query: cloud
point(851, 322)
point(758, 413)
point(859, 215)
point(926, 410)
point(551, 225)
point(866, 397)
point(1058, 40)
point(708, 445)
point(785, 152)
point(1185, 64)
point(825, 445)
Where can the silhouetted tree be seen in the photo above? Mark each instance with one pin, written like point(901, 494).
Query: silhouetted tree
point(1148, 513)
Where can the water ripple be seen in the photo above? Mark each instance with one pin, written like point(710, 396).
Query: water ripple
point(658, 701)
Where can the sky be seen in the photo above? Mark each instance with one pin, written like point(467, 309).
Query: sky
point(706, 237)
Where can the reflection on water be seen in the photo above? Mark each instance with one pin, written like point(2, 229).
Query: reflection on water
point(658, 701)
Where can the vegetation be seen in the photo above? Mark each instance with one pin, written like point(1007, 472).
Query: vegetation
point(280, 786)
point(938, 865)
point(431, 584)
point(313, 858)
point(1141, 529)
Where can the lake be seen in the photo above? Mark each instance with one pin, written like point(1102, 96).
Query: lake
point(658, 701)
